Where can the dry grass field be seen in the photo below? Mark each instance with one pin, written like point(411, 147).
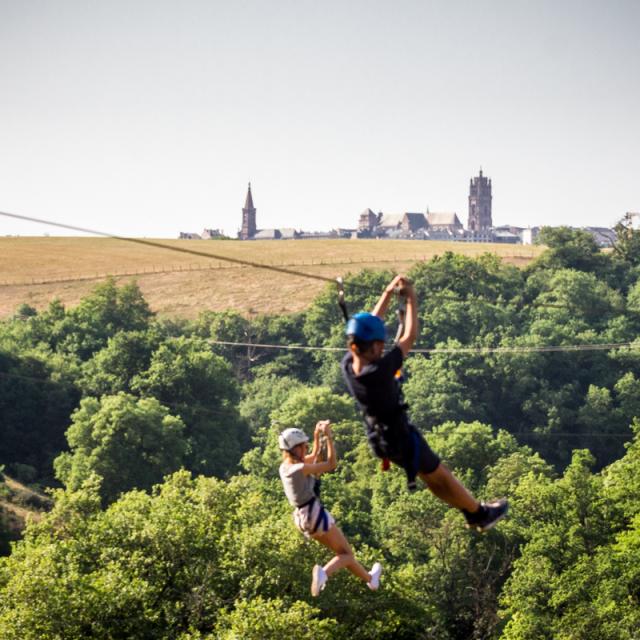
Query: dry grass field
point(19, 504)
point(36, 270)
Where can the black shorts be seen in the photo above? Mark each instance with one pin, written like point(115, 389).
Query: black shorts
point(404, 445)
point(425, 460)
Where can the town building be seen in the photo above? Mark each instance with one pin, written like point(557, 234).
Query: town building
point(479, 203)
point(443, 222)
point(265, 234)
point(212, 234)
point(603, 236)
point(485, 235)
point(430, 225)
point(530, 235)
point(368, 221)
point(506, 235)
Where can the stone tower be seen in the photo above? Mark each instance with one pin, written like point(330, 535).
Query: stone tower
point(248, 218)
point(480, 203)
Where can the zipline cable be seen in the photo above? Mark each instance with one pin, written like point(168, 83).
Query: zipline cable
point(159, 245)
point(444, 350)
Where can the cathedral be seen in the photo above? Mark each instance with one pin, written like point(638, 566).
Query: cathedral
point(479, 204)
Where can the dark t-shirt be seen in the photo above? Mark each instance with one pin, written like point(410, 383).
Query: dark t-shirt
point(375, 388)
point(379, 395)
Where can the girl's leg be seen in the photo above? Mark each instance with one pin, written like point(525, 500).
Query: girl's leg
point(335, 540)
point(449, 489)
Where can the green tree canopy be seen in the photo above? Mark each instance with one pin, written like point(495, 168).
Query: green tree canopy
point(112, 369)
point(569, 249)
point(37, 396)
point(128, 442)
point(198, 386)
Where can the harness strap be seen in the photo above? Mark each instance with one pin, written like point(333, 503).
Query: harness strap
point(322, 517)
point(412, 467)
point(306, 504)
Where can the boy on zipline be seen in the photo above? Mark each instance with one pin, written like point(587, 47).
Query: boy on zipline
point(371, 377)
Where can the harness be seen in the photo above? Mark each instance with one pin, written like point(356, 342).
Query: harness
point(322, 517)
point(397, 442)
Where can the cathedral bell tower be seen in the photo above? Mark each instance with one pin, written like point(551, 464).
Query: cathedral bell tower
point(248, 218)
point(480, 203)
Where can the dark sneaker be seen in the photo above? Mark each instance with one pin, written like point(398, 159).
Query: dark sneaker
point(489, 514)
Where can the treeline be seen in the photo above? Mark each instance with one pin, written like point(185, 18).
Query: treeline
point(169, 520)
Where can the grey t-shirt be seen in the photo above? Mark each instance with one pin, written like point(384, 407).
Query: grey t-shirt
point(297, 487)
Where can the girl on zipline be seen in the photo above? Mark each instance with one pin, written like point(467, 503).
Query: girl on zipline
point(298, 473)
point(372, 379)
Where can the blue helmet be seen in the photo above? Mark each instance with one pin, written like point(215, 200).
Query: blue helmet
point(366, 327)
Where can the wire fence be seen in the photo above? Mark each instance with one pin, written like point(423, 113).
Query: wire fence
point(150, 270)
point(216, 266)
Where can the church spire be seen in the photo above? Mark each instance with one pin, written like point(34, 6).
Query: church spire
point(249, 201)
point(248, 217)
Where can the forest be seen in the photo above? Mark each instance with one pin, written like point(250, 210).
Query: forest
point(156, 438)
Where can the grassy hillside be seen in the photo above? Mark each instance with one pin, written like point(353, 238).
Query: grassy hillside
point(37, 270)
point(18, 504)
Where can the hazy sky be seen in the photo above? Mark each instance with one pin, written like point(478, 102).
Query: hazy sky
point(147, 118)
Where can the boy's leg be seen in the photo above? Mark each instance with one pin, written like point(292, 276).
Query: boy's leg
point(449, 489)
point(479, 516)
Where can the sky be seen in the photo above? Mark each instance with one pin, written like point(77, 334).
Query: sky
point(149, 117)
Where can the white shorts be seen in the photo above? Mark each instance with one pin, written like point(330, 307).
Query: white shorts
point(313, 518)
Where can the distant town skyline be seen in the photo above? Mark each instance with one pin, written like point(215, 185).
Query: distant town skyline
point(140, 118)
point(378, 224)
point(412, 225)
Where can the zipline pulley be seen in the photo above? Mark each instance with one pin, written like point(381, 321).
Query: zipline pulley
point(341, 301)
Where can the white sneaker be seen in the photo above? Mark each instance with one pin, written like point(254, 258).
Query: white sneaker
point(318, 580)
point(375, 573)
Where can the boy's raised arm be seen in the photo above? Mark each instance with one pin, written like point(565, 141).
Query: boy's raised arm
point(383, 303)
point(408, 337)
point(403, 285)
